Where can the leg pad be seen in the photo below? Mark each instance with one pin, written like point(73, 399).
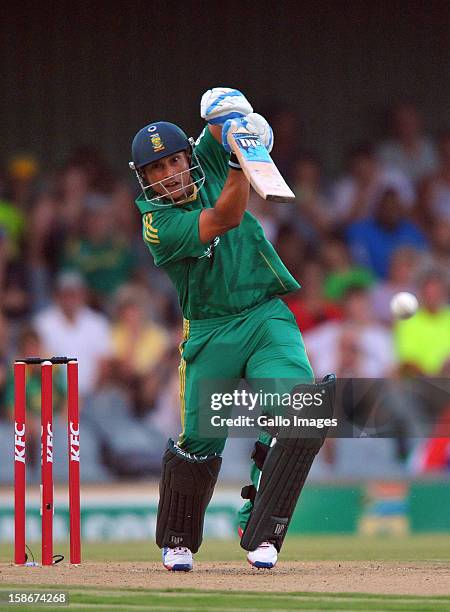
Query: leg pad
point(284, 473)
point(185, 490)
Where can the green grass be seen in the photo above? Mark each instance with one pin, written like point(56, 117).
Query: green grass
point(424, 548)
point(189, 599)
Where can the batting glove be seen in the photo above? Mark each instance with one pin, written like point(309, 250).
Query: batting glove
point(258, 125)
point(254, 123)
point(223, 103)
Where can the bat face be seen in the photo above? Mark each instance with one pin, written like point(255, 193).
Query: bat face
point(259, 167)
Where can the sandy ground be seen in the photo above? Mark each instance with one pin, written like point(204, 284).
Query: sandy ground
point(325, 576)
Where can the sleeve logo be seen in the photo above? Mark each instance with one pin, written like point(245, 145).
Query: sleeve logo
point(150, 232)
point(210, 250)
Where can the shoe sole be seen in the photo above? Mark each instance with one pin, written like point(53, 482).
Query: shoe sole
point(262, 564)
point(179, 567)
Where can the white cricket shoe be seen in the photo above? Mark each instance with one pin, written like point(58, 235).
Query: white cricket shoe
point(265, 556)
point(177, 559)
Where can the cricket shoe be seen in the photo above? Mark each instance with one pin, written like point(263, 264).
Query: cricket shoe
point(265, 556)
point(177, 559)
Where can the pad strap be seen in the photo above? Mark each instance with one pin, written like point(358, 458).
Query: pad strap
point(248, 492)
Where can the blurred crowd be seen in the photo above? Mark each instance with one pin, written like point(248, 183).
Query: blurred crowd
point(76, 279)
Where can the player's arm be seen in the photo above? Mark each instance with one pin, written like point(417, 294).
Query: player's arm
point(221, 107)
point(217, 106)
point(229, 208)
point(216, 132)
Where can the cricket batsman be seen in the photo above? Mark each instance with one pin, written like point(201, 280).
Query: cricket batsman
point(228, 278)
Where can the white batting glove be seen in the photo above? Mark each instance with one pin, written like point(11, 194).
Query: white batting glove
point(222, 103)
point(254, 123)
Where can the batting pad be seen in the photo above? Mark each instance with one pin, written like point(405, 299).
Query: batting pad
point(284, 472)
point(186, 487)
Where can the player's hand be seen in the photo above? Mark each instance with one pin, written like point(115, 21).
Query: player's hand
point(254, 123)
point(231, 124)
point(257, 124)
point(223, 103)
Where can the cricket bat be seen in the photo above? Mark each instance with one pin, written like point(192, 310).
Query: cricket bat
point(258, 166)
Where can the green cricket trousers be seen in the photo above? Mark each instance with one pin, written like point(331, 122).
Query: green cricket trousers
point(262, 342)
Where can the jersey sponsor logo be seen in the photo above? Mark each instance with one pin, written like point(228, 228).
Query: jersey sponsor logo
point(210, 250)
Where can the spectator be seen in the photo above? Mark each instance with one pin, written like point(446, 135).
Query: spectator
point(13, 294)
point(131, 447)
point(423, 342)
point(44, 244)
point(160, 405)
point(20, 179)
point(439, 255)
point(403, 266)
point(4, 360)
point(341, 273)
point(139, 343)
point(357, 193)
point(22, 174)
point(69, 327)
point(308, 305)
point(72, 188)
point(85, 174)
point(284, 122)
point(291, 248)
point(349, 355)
point(433, 454)
point(126, 216)
point(314, 215)
point(408, 150)
point(99, 175)
point(268, 215)
point(100, 254)
point(356, 346)
point(373, 240)
point(434, 201)
point(12, 223)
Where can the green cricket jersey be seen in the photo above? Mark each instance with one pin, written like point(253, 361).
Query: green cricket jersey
point(236, 271)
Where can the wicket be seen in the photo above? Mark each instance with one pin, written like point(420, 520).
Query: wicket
point(73, 435)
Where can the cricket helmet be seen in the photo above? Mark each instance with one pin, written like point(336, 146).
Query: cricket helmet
point(155, 141)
